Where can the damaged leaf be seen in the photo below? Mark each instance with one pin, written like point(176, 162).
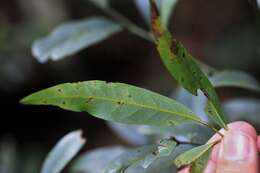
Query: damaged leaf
point(182, 67)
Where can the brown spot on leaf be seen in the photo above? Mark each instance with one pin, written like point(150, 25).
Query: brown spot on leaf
point(89, 100)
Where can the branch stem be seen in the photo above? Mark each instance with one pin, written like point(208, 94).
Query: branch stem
point(129, 25)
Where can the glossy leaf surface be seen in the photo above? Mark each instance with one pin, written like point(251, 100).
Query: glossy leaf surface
point(115, 102)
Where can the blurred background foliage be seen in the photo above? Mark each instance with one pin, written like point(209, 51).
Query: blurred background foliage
point(224, 34)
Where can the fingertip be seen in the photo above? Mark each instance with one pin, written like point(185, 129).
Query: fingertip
point(215, 153)
point(245, 127)
point(211, 168)
point(258, 143)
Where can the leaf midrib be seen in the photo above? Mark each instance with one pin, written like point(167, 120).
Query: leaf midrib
point(188, 116)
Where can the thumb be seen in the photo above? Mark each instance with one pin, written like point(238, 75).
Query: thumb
point(238, 152)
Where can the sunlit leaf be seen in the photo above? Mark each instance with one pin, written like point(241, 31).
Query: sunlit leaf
point(71, 37)
point(63, 152)
point(182, 67)
point(115, 102)
point(96, 160)
point(192, 155)
point(234, 78)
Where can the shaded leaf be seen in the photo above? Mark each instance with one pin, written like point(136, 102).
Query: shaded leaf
point(71, 37)
point(130, 133)
point(115, 102)
point(166, 8)
point(95, 161)
point(232, 78)
point(190, 132)
point(182, 67)
point(161, 164)
point(142, 157)
point(63, 152)
point(195, 103)
point(100, 3)
point(192, 155)
point(122, 162)
point(200, 164)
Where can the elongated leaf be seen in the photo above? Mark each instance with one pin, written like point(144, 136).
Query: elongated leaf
point(192, 155)
point(71, 37)
point(96, 160)
point(182, 67)
point(232, 78)
point(100, 3)
point(143, 156)
point(200, 164)
point(63, 152)
point(115, 102)
point(122, 162)
point(160, 164)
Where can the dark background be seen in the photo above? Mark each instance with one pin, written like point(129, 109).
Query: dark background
point(222, 33)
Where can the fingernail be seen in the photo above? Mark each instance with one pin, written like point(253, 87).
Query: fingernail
point(235, 146)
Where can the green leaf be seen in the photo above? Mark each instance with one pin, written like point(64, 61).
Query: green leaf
point(143, 156)
point(100, 3)
point(63, 152)
point(181, 66)
point(71, 37)
point(233, 78)
point(192, 155)
point(122, 162)
point(115, 102)
point(200, 164)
